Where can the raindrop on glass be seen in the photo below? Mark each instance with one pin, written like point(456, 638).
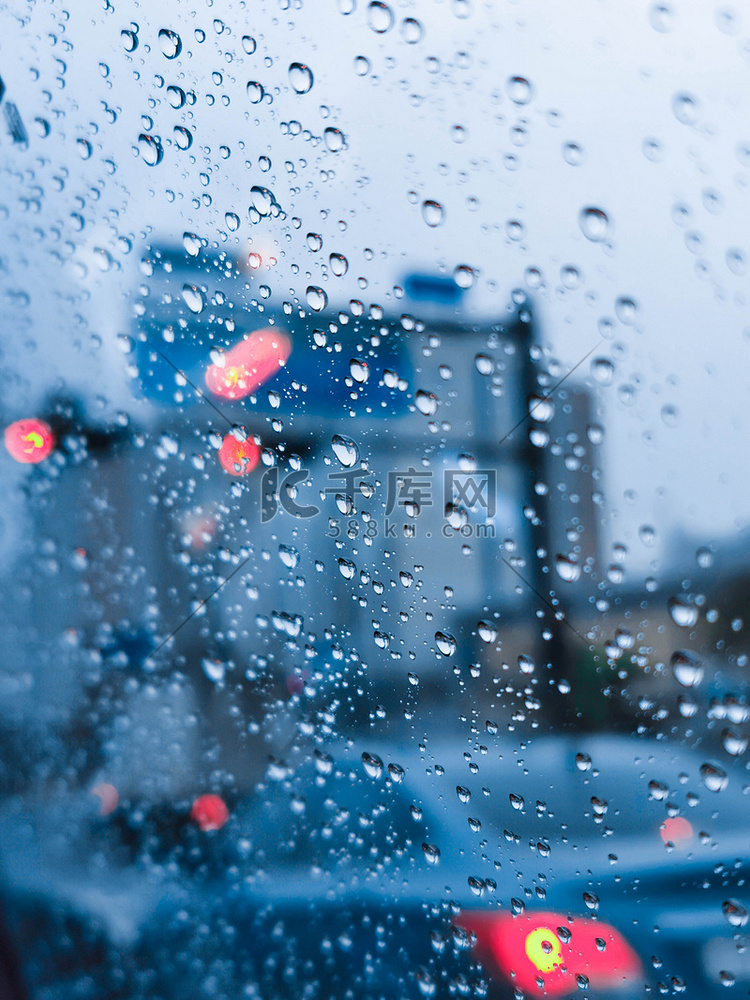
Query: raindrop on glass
point(683, 614)
point(359, 370)
point(300, 77)
point(194, 298)
point(255, 92)
point(519, 90)
point(594, 224)
point(150, 149)
point(334, 139)
point(427, 402)
point(687, 668)
point(316, 298)
point(170, 43)
point(379, 17)
point(432, 213)
point(446, 643)
point(345, 450)
point(685, 108)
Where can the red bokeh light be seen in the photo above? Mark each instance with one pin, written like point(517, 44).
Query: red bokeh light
point(108, 797)
point(249, 364)
point(238, 458)
point(209, 812)
point(676, 830)
point(29, 440)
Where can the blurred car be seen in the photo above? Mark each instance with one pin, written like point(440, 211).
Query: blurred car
point(613, 864)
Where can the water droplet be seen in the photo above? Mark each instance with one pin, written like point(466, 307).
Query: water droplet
point(583, 762)
point(487, 631)
point(734, 912)
point(129, 39)
point(603, 371)
point(232, 221)
point(361, 65)
point(194, 298)
point(359, 370)
point(215, 670)
point(170, 42)
point(192, 244)
point(685, 108)
point(338, 264)
point(464, 795)
point(661, 17)
point(150, 149)
point(411, 30)
point(316, 298)
point(733, 743)
point(714, 778)
point(84, 149)
point(464, 276)
point(446, 643)
point(255, 92)
point(300, 77)
point(736, 261)
point(670, 415)
point(183, 137)
point(647, 534)
point(432, 213)
point(288, 555)
point(683, 614)
point(477, 885)
point(626, 310)
point(594, 224)
point(591, 900)
point(704, 558)
point(484, 365)
point(334, 139)
point(567, 569)
point(261, 199)
point(573, 154)
point(526, 664)
point(431, 853)
point(541, 409)
point(373, 764)
point(427, 402)
point(687, 668)
point(516, 800)
point(379, 17)
point(323, 761)
point(396, 773)
point(345, 450)
point(519, 90)
point(382, 639)
point(347, 569)
point(249, 44)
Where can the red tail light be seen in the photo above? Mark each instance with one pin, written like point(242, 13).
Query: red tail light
point(547, 954)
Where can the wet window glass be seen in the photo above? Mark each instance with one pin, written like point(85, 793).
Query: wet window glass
point(374, 532)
